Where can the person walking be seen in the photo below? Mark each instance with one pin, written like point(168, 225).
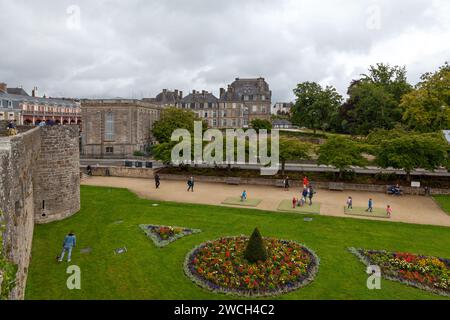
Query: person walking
point(305, 182)
point(244, 195)
point(304, 195)
point(349, 203)
point(157, 181)
point(389, 211)
point(69, 243)
point(286, 183)
point(89, 170)
point(310, 194)
point(191, 184)
point(370, 205)
point(294, 202)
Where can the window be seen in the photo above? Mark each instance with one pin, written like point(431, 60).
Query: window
point(192, 105)
point(245, 98)
point(263, 97)
point(263, 109)
point(214, 122)
point(109, 149)
point(109, 126)
point(10, 104)
point(234, 105)
point(206, 114)
point(255, 108)
point(210, 105)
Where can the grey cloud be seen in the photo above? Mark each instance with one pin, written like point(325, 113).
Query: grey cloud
point(135, 48)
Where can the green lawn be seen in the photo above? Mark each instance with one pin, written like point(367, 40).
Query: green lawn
point(236, 201)
point(286, 205)
point(444, 202)
point(360, 211)
point(147, 272)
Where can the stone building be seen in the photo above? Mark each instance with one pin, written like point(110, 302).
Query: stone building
point(204, 104)
point(282, 108)
point(16, 104)
point(39, 183)
point(116, 128)
point(166, 98)
point(243, 101)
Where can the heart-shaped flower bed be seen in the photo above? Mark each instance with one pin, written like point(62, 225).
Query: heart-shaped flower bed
point(220, 266)
point(424, 272)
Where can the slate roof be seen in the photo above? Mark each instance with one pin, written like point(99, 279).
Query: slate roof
point(38, 100)
point(240, 87)
point(18, 91)
point(200, 97)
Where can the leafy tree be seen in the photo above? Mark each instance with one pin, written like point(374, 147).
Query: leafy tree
point(411, 151)
point(374, 100)
point(163, 151)
point(258, 124)
point(341, 153)
point(256, 249)
point(315, 106)
point(174, 118)
point(292, 149)
point(426, 109)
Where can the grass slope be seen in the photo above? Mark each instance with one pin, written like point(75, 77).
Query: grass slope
point(147, 272)
point(236, 201)
point(360, 211)
point(444, 202)
point(286, 205)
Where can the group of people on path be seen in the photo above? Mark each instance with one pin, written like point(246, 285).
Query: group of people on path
point(369, 206)
point(307, 194)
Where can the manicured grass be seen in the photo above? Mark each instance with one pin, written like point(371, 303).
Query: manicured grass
point(286, 205)
point(148, 272)
point(236, 201)
point(360, 211)
point(444, 202)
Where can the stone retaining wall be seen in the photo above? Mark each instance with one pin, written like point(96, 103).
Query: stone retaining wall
point(125, 172)
point(38, 165)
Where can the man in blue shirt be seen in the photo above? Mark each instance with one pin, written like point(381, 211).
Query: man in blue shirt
point(69, 242)
point(370, 205)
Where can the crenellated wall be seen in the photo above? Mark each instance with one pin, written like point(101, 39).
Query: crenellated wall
point(36, 166)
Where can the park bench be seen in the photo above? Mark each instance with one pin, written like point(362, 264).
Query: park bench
point(233, 180)
point(280, 183)
point(336, 186)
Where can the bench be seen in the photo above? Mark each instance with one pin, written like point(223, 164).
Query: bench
point(336, 186)
point(233, 180)
point(280, 183)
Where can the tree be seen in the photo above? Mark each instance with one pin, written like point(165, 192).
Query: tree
point(258, 124)
point(292, 149)
point(315, 106)
point(173, 118)
point(341, 153)
point(374, 100)
point(411, 151)
point(256, 249)
point(426, 109)
point(163, 151)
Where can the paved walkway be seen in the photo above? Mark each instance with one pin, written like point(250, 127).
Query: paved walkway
point(410, 209)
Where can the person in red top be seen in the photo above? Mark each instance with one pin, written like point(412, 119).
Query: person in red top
point(305, 181)
point(389, 211)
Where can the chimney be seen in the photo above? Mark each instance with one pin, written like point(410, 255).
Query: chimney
point(222, 92)
point(175, 93)
point(34, 92)
point(164, 90)
point(3, 87)
point(181, 94)
point(194, 92)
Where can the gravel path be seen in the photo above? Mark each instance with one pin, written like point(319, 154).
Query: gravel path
point(410, 209)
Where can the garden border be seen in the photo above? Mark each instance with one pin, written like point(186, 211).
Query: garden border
point(366, 262)
point(163, 243)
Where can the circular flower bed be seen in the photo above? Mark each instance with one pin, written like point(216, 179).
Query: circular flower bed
point(220, 266)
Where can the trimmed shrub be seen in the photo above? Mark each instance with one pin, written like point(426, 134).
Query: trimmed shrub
point(256, 249)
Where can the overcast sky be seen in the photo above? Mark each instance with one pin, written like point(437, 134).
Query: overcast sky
point(135, 48)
